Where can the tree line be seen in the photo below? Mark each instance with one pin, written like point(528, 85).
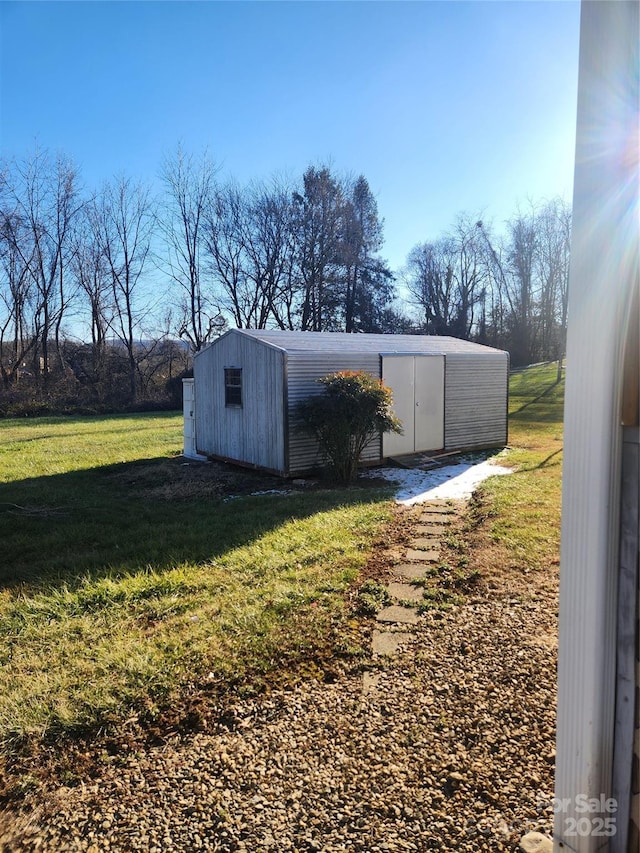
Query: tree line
point(105, 296)
point(508, 292)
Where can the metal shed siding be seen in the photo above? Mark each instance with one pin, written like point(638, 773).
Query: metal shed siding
point(253, 434)
point(303, 370)
point(280, 369)
point(476, 390)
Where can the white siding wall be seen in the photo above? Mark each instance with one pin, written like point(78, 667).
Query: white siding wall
point(475, 394)
point(303, 369)
point(253, 434)
point(604, 271)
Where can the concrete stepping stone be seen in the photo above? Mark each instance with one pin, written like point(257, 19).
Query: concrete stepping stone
point(406, 592)
point(393, 553)
point(389, 642)
point(426, 544)
point(437, 506)
point(422, 556)
point(429, 529)
point(536, 842)
point(410, 571)
point(399, 614)
point(436, 518)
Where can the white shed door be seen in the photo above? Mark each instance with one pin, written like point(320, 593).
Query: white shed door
point(417, 383)
point(429, 402)
point(398, 374)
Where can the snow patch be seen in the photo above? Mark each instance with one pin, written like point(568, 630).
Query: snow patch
point(454, 482)
point(283, 492)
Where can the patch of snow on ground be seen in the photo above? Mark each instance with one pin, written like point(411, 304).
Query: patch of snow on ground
point(451, 483)
point(258, 494)
point(271, 492)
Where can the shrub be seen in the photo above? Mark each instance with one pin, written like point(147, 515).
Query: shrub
point(352, 410)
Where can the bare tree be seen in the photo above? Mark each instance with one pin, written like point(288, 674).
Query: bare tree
point(429, 280)
point(44, 200)
point(125, 228)
point(447, 280)
point(494, 305)
point(225, 240)
point(16, 340)
point(529, 272)
point(91, 269)
point(470, 277)
point(554, 246)
point(189, 196)
point(522, 246)
point(269, 248)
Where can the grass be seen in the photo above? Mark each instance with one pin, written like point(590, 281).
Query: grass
point(509, 538)
point(124, 587)
point(39, 447)
point(115, 597)
point(523, 509)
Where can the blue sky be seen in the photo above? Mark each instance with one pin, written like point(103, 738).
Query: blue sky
point(443, 106)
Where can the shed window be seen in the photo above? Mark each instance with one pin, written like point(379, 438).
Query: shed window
point(233, 386)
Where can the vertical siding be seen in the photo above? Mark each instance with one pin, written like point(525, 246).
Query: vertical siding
point(253, 434)
point(604, 269)
point(476, 388)
point(303, 371)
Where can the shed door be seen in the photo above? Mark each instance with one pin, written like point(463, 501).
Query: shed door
point(417, 383)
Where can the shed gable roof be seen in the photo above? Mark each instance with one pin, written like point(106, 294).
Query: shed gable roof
point(363, 343)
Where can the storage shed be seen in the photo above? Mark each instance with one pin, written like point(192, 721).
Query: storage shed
point(449, 394)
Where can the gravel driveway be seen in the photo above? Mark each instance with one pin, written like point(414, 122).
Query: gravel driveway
point(453, 750)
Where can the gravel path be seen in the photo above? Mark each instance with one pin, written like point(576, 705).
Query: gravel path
point(452, 749)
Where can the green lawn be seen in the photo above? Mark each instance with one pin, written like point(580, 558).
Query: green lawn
point(116, 595)
point(122, 586)
point(525, 506)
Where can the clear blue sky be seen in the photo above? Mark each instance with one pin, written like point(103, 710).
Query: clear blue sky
point(443, 106)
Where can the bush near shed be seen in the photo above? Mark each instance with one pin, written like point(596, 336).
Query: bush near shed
point(352, 410)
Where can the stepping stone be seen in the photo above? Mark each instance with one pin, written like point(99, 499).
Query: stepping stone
point(388, 642)
point(536, 842)
point(426, 544)
point(422, 556)
point(429, 529)
point(437, 506)
point(435, 518)
point(401, 615)
point(410, 571)
point(406, 592)
point(393, 554)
